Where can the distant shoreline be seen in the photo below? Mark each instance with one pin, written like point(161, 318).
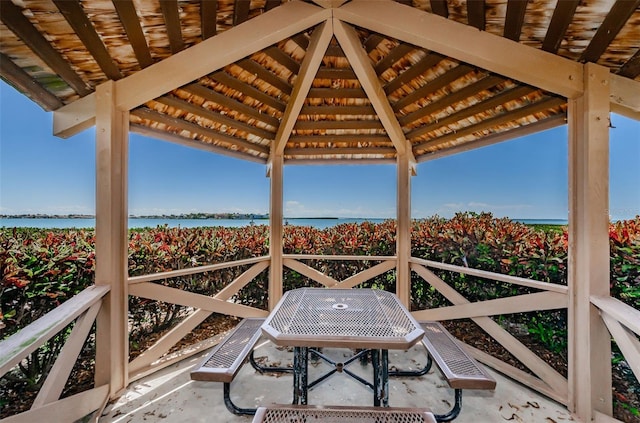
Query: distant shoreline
point(192, 216)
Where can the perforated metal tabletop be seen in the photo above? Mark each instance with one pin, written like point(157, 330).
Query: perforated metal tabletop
point(349, 318)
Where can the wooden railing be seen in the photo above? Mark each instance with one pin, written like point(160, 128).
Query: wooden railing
point(83, 309)
point(547, 380)
point(203, 306)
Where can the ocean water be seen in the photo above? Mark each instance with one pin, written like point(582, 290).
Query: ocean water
point(173, 223)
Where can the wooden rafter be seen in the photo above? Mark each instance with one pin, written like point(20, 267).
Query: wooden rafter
point(270, 4)
point(371, 42)
point(324, 151)
point(76, 17)
point(230, 103)
point(613, 23)
point(357, 55)
point(13, 18)
point(426, 63)
point(334, 51)
point(394, 55)
point(208, 18)
point(14, 75)
point(439, 7)
point(490, 103)
point(336, 73)
point(522, 131)
point(194, 128)
point(191, 143)
point(312, 59)
point(248, 90)
point(475, 14)
point(214, 116)
point(341, 139)
point(482, 49)
point(241, 11)
point(631, 69)
point(131, 23)
point(172, 22)
point(493, 122)
point(337, 110)
point(451, 99)
point(337, 93)
point(516, 10)
point(283, 58)
point(265, 74)
point(432, 86)
point(562, 17)
point(338, 124)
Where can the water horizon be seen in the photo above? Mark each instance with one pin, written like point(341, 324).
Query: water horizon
point(140, 223)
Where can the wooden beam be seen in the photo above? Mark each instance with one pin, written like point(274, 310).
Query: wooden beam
point(621, 312)
point(248, 90)
point(131, 23)
point(270, 4)
point(191, 143)
point(283, 58)
point(172, 22)
point(339, 139)
point(214, 116)
point(397, 53)
point(609, 29)
point(78, 20)
point(231, 103)
point(335, 73)
point(75, 117)
point(631, 68)
point(625, 96)
point(350, 162)
point(426, 63)
point(194, 128)
point(367, 274)
point(310, 63)
point(22, 81)
point(627, 341)
point(532, 128)
point(483, 106)
point(439, 7)
point(265, 74)
point(560, 21)
point(494, 53)
point(112, 158)
point(403, 232)
point(432, 86)
point(337, 93)
point(510, 116)
point(588, 262)
point(276, 230)
point(338, 110)
point(350, 43)
point(209, 18)
point(516, 9)
point(241, 11)
point(11, 15)
point(339, 124)
point(453, 98)
point(324, 151)
point(475, 14)
point(311, 273)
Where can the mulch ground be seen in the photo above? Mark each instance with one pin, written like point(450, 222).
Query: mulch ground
point(15, 398)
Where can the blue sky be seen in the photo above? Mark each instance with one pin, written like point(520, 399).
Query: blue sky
point(521, 179)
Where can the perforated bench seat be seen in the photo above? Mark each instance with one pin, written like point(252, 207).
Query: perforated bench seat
point(340, 414)
point(459, 369)
point(225, 359)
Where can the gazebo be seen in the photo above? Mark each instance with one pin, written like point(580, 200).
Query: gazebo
point(333, 81)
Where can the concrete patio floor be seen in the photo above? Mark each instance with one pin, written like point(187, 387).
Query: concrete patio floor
point(169, 395)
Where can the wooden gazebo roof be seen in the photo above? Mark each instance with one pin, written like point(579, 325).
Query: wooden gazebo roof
point(320, 94)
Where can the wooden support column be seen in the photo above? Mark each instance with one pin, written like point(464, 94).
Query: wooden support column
point(403, 230)
point(589, 340)
point(112, 141)
point(275, 230)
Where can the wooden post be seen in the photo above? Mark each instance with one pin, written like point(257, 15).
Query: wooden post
point(589, 340)
point(112, 139)
point(275, 231)
point(403, 230)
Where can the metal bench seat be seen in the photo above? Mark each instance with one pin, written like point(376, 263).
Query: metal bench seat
point(341, 414)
